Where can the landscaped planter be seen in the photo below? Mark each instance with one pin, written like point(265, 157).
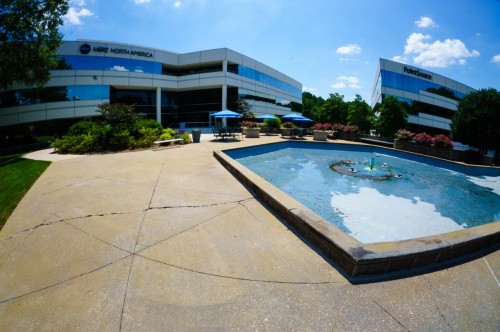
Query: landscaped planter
point(433, 151)
point(252, 132)
point(401, 144)
point(286, 131)
point(320, 135)
point(347, 136)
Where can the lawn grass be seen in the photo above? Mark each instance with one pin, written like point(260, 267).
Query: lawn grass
point(17, 175)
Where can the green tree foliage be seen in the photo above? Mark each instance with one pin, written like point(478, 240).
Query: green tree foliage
point(392, 115)
point(118, 116)
point(311, 105)
point(29, 39)
point(334, 109)
point(360, 114)
point(477, 120)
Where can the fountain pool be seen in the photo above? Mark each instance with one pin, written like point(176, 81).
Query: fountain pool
point(376, 195)
point(383, 200)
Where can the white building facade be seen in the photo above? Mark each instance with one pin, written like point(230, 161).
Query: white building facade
point(432, 98)
point(178, 90)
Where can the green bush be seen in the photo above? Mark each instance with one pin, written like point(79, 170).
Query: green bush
point(82, 127)
point(146, 123)
point(186, 137)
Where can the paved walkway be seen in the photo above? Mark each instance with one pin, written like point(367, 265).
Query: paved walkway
point(169, 240)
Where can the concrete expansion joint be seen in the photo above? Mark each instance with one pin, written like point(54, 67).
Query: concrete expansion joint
point(239, 278)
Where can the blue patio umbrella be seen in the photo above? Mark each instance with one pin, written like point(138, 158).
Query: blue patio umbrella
point(226, 114)
point(267, 117)
point(291, 116)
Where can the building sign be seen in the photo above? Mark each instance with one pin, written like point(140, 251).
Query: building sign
point(86, 49)
point(417, 72)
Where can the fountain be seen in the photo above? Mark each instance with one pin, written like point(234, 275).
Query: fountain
point(356, 169)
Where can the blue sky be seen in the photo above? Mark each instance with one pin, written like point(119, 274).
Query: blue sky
point(327, 45)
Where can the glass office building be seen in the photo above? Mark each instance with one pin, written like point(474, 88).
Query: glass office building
point(432, 99)
point(178, 90)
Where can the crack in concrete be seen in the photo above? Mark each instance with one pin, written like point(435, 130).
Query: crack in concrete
point(436, 305)
point(383, 309)
point(43, 224)
point(63, 281)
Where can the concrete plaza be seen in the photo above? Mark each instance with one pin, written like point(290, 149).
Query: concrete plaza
point(170, 240)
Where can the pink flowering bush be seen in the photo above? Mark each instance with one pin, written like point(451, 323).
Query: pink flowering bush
point(423, 139)
point(322, 126)
point(443, 141)
point(404, 135)
point(249, 124)
point(338, 127)
point(351, 129)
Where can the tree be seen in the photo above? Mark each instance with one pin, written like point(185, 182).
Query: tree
point(392, 116)
point(360, 114)
point(29, 39)
point(334, 109)
point(477, 120)
point(311, 105)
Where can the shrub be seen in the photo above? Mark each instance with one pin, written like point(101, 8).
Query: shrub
point(288, 124)
point(146, 123)
point(322, 126)
point(423, 139)
point(443, 141)
point(339, 127)
point(404, 135)
point(352, 129)
point(249, 124)
point(273, 123)
point(81, 128)
point(186, 137)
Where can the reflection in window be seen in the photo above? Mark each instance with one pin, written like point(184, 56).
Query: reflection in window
point(53, 94)
point(269, 80)
point(415, 85)
point(112, 64)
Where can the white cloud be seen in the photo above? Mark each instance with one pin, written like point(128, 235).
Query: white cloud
point(73, 16)
point(437, 54)
point(79, 3)
point(177, 4)
point(399, 58)
point(496, 59)
point(349, 49)
point(425, 22)
point(140, 2)
point(338, 85)
point(346, 81)
point(309, 89)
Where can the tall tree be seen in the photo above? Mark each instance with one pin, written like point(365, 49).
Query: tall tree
point(334, 109)
point(311, 105)
point(29, 38)
point(477, 120)
point(392, 116)
point(360, 114)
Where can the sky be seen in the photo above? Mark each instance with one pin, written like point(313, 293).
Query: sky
point(330, 46)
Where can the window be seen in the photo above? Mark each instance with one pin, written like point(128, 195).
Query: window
point(76, 62)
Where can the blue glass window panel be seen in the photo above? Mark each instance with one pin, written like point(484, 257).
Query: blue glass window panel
point(110, 63)
point(88, 92)
point(411, 84)
point(269, 80)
